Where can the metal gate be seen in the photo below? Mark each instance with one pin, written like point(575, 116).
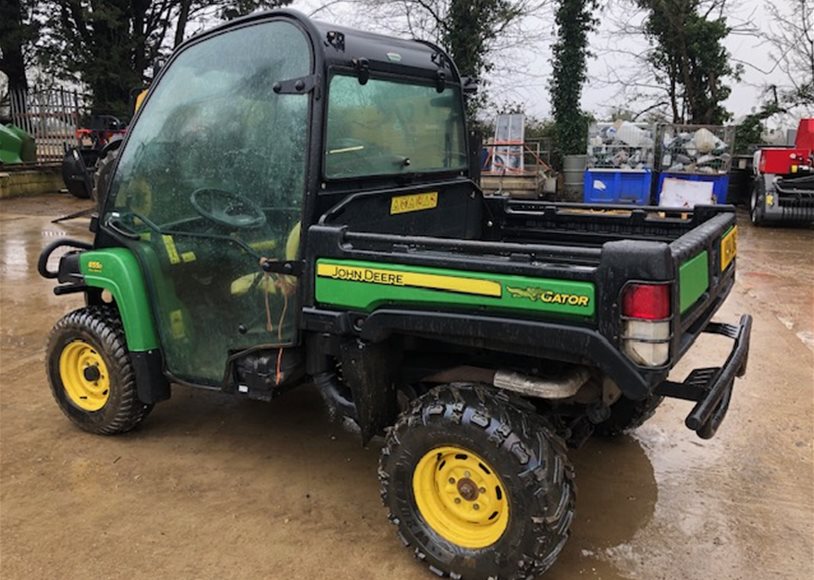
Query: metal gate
point(51, 117)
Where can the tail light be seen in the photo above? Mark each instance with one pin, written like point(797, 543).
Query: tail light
point(646, 310)
point(646, 301)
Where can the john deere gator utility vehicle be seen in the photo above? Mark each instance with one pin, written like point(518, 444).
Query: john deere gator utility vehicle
point(293, 205)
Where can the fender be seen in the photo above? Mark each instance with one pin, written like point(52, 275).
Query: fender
point(117, 271)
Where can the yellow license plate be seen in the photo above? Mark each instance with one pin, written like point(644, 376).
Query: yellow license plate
point(415, 202)
point(729, 247)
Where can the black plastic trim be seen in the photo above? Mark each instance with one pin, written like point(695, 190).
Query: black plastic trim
point(298, 86)
point(565, 342)
point(64, 271)
point(711, 388)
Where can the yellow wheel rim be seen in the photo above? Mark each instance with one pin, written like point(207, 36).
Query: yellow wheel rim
point(84, 376)
point(461, 497)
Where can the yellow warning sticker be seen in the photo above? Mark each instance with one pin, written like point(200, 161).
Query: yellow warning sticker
point(729, 247)
point(172, 251)
point(177, 324)
point(414, 202)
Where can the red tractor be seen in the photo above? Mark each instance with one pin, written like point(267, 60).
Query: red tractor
point(784, 181)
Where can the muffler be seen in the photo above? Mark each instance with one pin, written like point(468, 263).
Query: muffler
point(561, 387)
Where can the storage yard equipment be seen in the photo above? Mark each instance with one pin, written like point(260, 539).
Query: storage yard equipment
point(514, 166)
point(292, 205)
point(693, 164)
point(783, 190)
point(620, 163)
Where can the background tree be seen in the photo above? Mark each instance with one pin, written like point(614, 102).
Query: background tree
point(688, 57)
point(749, 131)
point(112, 45)
point(18, 30)
point(791, 38)
point(575, 21)
point(667, 58)
point(470, 30)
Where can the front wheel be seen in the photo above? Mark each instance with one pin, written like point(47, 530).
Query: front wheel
point(91, 374)
point(757, 203)
point(477, 484)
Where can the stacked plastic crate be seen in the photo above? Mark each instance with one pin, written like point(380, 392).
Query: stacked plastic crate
point(694, 163)
point(620, 163)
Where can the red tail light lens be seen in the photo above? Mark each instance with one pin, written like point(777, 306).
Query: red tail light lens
point(646, 301)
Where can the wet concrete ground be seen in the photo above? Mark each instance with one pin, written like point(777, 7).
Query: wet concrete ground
point(211, 487)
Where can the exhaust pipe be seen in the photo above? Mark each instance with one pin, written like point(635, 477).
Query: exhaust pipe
point(544, 388)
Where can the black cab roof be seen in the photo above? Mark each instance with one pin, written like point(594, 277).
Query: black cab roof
point(347, 48)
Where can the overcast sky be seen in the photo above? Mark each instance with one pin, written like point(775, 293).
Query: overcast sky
point(522, 73)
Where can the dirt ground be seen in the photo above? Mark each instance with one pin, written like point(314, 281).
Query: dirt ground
point(211, 487)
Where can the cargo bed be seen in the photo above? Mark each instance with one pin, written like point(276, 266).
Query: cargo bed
point(596, 252)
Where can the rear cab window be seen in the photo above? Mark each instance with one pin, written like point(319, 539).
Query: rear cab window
point(388, 127)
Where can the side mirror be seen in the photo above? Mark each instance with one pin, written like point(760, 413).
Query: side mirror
point(469, 85)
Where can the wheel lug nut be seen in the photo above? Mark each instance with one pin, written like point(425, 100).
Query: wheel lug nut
point(482, 490)
point(476, 506)
point(457, 500)
point(466, 474)
point(452, 480)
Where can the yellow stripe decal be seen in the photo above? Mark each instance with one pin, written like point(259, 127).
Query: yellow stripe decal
point(412, 279)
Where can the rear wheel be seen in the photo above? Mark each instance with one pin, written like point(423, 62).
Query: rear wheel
point(90, 372)
point(627, 414)
point(477, 484)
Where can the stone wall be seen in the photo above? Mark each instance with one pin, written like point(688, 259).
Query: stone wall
point(30, 182)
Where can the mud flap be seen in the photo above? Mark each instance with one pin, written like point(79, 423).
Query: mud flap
point(151, 384)
point(371, 371)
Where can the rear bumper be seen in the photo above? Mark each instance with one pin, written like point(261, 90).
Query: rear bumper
point(711, 388)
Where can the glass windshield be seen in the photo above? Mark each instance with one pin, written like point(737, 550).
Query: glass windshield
point(386, 127)
point(215, 122)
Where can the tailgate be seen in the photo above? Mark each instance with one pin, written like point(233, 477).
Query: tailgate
point(705, 265)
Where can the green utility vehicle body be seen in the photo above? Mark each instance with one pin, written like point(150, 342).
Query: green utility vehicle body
point(294, 203)
point(390, 247)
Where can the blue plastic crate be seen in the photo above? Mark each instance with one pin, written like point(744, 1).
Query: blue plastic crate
point(720, 183)
point(616, 186)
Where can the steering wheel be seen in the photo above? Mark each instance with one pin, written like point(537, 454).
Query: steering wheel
point(227, 208)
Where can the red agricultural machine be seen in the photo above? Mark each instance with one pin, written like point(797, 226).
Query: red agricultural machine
point(97, 145)
point(784, 181)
